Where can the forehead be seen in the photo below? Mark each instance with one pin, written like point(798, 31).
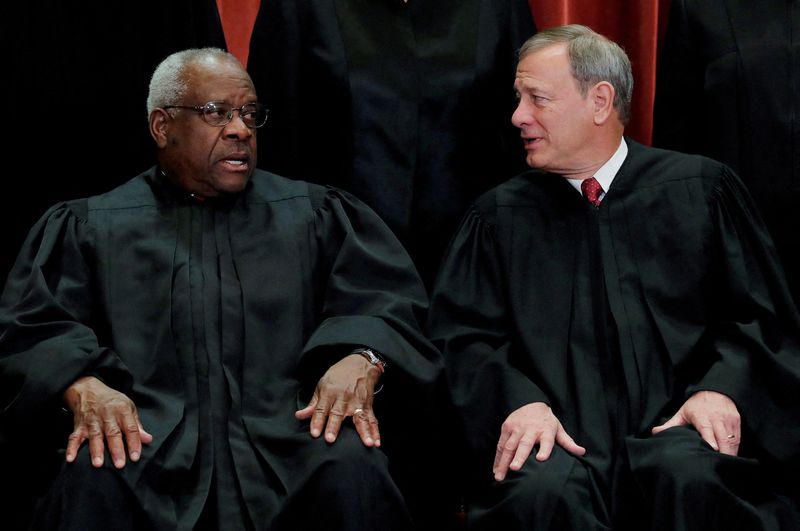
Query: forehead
point(545, 68)
point(218, 80)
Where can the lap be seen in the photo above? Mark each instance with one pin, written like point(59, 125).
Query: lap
point(559, 493)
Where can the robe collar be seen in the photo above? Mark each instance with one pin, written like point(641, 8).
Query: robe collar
point(606, 173)
point(168, 190)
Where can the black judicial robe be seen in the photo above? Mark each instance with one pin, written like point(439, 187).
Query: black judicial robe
point(728, 87)
point(216, 318)
point(680, 292)
point(405, 104)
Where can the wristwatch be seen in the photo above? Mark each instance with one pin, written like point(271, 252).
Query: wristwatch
point(372, 357)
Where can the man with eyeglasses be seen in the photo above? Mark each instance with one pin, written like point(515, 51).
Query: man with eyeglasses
point(218, 334)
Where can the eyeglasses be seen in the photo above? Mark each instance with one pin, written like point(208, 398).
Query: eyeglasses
point(220, 113)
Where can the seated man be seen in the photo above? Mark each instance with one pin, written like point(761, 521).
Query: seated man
point(625, 359)
point(205, 323)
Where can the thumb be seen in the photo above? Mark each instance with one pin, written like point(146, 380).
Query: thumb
point(145, 436)
point(676, 420)
point(307, 411)
point(566, 441)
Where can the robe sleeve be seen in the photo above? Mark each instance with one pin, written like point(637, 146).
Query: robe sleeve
point(756, 334)
point(47, 320)
point(470, 323)
point(372, 295)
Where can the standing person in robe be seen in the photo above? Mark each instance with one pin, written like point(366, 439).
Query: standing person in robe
point(619, 338)
point(728, 87)
point(404, 103)
point(218, 334)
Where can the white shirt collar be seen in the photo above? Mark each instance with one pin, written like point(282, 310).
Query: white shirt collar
point(607, 171)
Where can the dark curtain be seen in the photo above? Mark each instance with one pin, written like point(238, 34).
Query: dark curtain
point(75, 85)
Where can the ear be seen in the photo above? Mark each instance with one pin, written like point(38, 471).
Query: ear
point(159, 127)
point(602, 97)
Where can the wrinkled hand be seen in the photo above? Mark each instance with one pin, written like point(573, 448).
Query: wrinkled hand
point(527, 426)
point(103, 415)
point(714, 416)
point(345, 390)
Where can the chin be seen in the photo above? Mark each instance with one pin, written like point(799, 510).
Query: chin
point(232, 185)
point(533, 162)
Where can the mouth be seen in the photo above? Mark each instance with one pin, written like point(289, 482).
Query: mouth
point(531, 142)
point(236, 161)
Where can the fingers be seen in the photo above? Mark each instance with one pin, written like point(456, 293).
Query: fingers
point(96, 445)
point(113, 436)
point(367, 426)
point(728, 437)
point(121, 428)
point(335, 418)
point(505, 453)
point(524, 449)
point(318, 417)
point(324, 415)
point(730, 444)
point(133, 439)
point(546, 442)
point(567, 442)
point(364, 420)
point(498, 454)
point(515, 447)
point(74, 442)
point(706, 432)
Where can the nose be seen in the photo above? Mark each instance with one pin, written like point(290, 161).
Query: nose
point(236, 129)
point(522, 115)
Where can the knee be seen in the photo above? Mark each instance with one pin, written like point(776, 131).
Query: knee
point(562, 480)
point(349, 458)
point(680, 458)
point(559, 491)
point(80, 482)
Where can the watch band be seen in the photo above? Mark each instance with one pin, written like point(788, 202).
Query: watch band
point(372, 357)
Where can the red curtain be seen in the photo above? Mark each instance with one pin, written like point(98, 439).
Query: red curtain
point(237, 18)
point(636, 25)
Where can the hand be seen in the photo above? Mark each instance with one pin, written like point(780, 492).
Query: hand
point(101, 415)
point(714, 416)
point(345, 390)
point(527, 426)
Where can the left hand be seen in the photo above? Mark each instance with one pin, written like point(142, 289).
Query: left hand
point(715, 418)
point(345, 390)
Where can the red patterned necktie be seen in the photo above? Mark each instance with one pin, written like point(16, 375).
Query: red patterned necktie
point(591, 190)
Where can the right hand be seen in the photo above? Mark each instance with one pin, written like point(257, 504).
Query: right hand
point(103, 415)
point(527, 426)
point(345, 390)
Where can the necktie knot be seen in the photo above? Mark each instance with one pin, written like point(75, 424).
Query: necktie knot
point(591, 190)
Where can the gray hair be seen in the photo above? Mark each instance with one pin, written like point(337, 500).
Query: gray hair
point(169, 82)
point(593, 58)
